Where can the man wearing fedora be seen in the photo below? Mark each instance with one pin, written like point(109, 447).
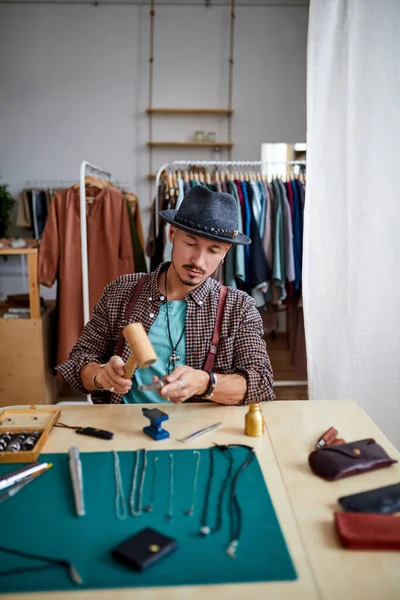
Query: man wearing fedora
point(208, 338)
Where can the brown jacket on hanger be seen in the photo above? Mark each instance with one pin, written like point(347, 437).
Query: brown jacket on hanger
point(134, 203)
point(110, 254)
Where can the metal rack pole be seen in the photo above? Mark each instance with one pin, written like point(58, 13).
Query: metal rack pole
point(84, 255)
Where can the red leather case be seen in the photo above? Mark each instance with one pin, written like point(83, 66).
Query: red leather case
point(364, 531)
point(343, 460)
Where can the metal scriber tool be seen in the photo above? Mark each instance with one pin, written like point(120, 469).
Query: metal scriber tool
point(75, 469)
point(197, 434)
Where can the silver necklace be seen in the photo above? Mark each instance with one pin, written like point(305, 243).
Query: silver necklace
point(174, 357)
point(190, 511)
point(150, 507)
point(120, 504)
point(136, 513)
point(171, 486)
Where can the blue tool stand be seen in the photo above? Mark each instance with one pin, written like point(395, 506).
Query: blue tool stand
point(155, 430)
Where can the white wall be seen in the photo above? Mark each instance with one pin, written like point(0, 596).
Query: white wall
point(74, 86)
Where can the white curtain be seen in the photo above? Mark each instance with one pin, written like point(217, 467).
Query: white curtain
point(351, 263)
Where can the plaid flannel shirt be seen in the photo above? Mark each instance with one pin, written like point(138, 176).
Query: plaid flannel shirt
point(241, 347)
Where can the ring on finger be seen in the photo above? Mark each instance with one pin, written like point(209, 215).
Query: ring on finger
point(112, 389)
point(181, 382)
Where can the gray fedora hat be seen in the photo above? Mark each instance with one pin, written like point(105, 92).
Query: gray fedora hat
point(212, 215)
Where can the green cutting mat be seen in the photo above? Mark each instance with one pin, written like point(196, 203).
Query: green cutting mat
point(41, 519)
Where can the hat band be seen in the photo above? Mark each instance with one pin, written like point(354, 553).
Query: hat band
point(227, 233)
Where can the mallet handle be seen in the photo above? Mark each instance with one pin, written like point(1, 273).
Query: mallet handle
point(130, 368)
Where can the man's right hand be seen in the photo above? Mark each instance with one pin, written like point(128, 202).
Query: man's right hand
point(110, 377)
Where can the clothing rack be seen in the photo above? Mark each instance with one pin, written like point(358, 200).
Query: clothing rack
point(243, 164)
point(45, 184)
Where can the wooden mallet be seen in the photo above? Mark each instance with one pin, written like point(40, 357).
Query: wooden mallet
point(142, 352)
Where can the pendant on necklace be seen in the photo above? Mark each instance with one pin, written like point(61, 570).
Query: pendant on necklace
point(174, 358)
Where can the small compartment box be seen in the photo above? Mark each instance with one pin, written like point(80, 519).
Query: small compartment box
point(24, 432)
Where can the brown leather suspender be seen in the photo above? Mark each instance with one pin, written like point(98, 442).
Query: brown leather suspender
point(217, 327)
point(128, 312)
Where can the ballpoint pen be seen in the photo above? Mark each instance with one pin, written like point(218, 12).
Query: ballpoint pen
point(75, 469)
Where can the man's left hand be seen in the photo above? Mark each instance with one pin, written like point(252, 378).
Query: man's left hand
point(183, 383)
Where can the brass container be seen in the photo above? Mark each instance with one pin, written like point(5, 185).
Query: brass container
point(254, 421)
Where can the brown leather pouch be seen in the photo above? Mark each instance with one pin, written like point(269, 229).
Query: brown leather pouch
point(343, 460)
point(364, 531)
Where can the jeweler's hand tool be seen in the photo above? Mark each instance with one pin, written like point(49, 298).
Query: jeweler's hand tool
point(142, 352)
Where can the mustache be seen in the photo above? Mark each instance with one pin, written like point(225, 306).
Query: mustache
point(194, 268)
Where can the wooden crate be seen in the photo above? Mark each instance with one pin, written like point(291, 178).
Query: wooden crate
point(25, 347)
point(30, 419)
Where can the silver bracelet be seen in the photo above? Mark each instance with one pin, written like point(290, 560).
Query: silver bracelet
point(211, 386)
point(96, 387)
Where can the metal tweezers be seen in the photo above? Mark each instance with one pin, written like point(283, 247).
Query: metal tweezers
point(197, 434)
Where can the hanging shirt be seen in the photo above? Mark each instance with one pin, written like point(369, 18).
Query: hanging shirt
point(247, 227)
point(258, 273)
point(297, 235)
point(235, 267)
point(261, 187)
point(257, 205)
point(168, 244)
point(267, 236)
point(109, 248)
point(279, 256)
point(181, 192)
point(287, 234)
point(163, 348)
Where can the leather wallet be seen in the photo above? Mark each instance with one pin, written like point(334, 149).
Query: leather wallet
point(368, 532)
point(384, 500)
point(335, 462)
point(144, 549)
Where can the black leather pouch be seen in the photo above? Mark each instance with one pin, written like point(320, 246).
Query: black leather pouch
point(144, 549)
point(335, 462)
point(383, 500)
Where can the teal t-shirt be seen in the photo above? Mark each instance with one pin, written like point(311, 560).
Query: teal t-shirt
point(158, 336)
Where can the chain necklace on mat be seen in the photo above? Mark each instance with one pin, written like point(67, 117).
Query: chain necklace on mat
point(174, 357)
point(235, 512)
point(150, 507)
point(51, 563)
point(234, 507)
point(120, 504)
point(205, 528)
point(190, 511)
point(171, 486)
point(136, 513)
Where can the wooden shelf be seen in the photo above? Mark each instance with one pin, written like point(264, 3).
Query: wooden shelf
point(30, 248)
point(189, 144)
point(26, 345)
point(221, 112)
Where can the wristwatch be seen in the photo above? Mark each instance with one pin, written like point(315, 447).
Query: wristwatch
point(210, 390)
point(97, 388)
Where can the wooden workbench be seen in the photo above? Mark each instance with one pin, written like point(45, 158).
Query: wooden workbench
point(304, 503)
